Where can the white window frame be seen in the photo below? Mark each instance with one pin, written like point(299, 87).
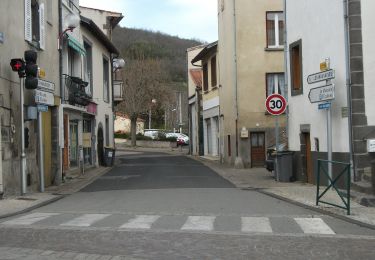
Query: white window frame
point(277, 29)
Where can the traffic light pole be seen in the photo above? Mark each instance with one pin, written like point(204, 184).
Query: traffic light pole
point(41, 152)
point(22, 132)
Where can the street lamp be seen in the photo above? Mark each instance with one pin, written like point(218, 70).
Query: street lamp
point(118, 63)
point(71, 22)
point(153, 101)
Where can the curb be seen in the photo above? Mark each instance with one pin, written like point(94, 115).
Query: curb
point(58, 197)
point(319, 210)
point(39, 205)
point(291, 201)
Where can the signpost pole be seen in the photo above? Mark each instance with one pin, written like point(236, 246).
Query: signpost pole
point(329, 128)
point(277, 145)
point(41, 152)
point(22, 132)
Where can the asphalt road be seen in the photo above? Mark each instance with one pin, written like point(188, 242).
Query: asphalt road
point(160, 206)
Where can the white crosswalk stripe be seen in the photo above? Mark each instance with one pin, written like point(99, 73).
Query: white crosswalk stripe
point(85, 220)
point(199, 223)
point(141, 222)
point(314, 226)
point(256, 224)
point(29, 219)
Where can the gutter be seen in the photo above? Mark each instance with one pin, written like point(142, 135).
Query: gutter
point(286, 74)
point(349, 88)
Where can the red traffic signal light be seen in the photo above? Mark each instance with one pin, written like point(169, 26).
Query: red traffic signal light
point(17, 64)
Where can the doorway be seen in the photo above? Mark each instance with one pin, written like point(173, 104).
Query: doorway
point(47, 146)
point(100, 146)
point(258, 150)
point(308, 158)
point(73, 144)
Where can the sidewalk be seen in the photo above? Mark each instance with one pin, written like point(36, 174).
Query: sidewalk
point(16, 205)
point(299, 193)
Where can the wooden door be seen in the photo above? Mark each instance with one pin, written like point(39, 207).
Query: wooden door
point(258, 150)
point(307, 152)
point(47, 146)
point(66, 143)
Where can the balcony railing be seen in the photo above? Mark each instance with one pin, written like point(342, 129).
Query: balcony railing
point(75, 91)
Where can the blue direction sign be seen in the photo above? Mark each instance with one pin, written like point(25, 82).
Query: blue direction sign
point(324, 106)
point(42, 108)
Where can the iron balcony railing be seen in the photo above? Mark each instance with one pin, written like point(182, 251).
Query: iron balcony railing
point(75, 91)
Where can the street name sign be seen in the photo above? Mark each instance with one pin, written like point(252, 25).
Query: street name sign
point(42, 108)
point(46, 86)
point(324, 106)
point(321, 94)
point(43, 97)
point(276, 104)
point(321, 76)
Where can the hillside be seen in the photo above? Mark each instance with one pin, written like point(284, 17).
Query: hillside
point(171, 50)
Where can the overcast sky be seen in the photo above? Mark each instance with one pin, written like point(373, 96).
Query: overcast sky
point(185, 18)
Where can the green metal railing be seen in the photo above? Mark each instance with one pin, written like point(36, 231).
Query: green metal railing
point(333, 184)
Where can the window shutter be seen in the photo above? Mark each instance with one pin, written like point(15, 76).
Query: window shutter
point(28, 28)
point(42, 35)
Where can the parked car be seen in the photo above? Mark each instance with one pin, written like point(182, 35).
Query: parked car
point(152, 133)
point(182, 139)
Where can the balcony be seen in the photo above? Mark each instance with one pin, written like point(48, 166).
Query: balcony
point(118, 91)
point(75, 91)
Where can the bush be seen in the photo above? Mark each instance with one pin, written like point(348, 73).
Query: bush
point(141, 137)
point(122, 135)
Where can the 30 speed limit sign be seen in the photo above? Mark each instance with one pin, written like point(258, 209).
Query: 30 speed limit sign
point(276, 104)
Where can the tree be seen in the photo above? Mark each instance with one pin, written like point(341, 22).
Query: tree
point(144, 80)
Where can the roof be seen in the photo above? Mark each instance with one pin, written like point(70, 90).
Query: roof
point(209, 49)
point(196, 75)
point(99, 34)
point(115, 17)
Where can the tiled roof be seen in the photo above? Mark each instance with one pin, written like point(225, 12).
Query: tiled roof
point(196, 75)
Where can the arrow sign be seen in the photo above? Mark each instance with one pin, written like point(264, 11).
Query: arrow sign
point(321, 76)
point(321, 94)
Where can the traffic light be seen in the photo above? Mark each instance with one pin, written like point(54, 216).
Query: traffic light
point(19, 66)
point(31, 69)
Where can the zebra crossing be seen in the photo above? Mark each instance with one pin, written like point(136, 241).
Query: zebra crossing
point(248, 224)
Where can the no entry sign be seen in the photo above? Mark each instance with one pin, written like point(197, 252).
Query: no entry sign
point(276, 104)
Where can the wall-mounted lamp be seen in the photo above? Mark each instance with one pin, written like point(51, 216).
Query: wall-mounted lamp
point(71, 22)
point(118, 63)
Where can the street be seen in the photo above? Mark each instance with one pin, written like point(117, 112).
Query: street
point(155, 205)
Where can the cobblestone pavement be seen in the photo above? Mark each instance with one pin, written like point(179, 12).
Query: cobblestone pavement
point(36, 244)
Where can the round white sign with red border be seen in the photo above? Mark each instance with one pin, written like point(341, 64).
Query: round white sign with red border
point(276, 104)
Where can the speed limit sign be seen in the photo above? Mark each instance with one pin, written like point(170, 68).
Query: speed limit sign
point(276, 104)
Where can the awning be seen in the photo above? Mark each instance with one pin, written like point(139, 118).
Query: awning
point(76, 45)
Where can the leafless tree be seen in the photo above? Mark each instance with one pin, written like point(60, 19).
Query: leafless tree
point(144, 80)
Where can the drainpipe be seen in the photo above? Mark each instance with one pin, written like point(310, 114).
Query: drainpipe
point(58, 178)
point(286, 74)
point(1, 169)
point(349, 87)
point(235, 71)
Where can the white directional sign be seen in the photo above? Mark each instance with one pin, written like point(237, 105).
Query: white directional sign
point(43, 97)
point(46, 85)
point(276, 104)
point(321, 94)
point(321, 76)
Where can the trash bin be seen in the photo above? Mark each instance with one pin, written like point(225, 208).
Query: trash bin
point(284, 166)
point(109, 156)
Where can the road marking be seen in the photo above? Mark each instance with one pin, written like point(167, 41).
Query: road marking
point(85, 220)
point(141, 222)
point(314, 226)
point(256, 224)
point(29, 219)
point(204, 223)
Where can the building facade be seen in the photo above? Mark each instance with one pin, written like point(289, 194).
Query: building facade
point(346, 44)
point(251, 67)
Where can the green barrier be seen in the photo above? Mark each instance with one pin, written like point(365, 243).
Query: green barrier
point(332, 183)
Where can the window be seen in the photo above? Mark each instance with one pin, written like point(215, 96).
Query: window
point(205, 77)
point(275, 84)
point(73, 63)
point(87, 67)
point(213, 72)
point(35, 23)
point(296, 68)
point(275, 29)
point(106, 130)
point(105, 80)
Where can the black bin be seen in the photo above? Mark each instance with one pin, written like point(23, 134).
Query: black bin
point(284, 166)
point(109, 156)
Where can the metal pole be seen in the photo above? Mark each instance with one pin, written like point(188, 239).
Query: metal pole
point(149, 118)
point(22, 131)
point(41, 152)
point(180, 105)
point(277, 146)
point(329, 142)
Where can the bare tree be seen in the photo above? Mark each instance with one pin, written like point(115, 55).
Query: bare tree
point(143, 81)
